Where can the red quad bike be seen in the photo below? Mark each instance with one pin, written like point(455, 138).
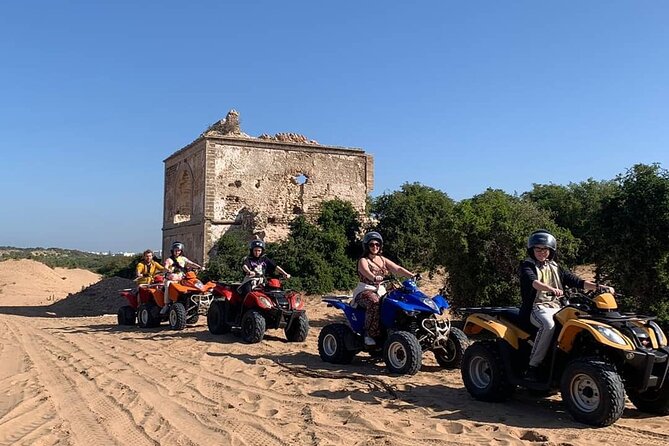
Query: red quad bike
point(267, 305)
point(187, 299)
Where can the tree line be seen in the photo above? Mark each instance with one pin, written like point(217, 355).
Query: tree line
point(619, 225)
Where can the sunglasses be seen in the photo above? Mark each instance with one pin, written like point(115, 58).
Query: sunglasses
point(541, 249)
point(374, 244)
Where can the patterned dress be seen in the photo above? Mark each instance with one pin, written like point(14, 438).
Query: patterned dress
point(369, 300)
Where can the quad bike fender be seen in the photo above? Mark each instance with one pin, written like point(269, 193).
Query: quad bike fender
point(336, 303)
point(130, 297)
point(476, 323)
point(257, 300)
point(441, 302)
point(602, 333)
point(225, 293)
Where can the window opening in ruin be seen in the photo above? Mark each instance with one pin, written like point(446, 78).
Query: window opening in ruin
point(300, 179)
point(184, 198)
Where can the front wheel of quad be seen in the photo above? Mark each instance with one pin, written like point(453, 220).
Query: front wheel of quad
point(126, 315)
point(332, 344)
point(655, 401)
point(402, 353)
point(146, 316)
point(593, 392)
point(177, 316)
point(253, 327)
point(216, 318)
point(299, 329)
point(483, 372)
point(450, 354)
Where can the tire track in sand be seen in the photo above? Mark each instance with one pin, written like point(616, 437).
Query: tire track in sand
point(91, 417)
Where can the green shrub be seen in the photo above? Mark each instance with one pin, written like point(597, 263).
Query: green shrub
point(483, 245)
point(226, 263)
point(633, 239)
point(409, 221)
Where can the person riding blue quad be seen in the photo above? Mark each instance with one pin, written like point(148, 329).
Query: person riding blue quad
point(542, 282)
point(256, 266)
point(372, 269)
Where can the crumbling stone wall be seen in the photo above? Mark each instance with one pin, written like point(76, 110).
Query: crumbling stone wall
point(228, 180)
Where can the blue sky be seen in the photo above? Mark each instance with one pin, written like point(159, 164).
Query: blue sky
point(460, 96)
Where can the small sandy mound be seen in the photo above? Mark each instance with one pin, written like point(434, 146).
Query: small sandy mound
point(30, 283)
point(98, 299)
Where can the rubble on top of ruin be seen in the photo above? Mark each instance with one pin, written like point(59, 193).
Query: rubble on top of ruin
point(230, 127)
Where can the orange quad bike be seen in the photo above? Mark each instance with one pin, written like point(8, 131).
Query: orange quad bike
point(267, 305)
point(187, 298)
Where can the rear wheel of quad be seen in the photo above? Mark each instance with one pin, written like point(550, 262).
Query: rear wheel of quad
point(593, 392)
point(402, 353)
point(299, 329)
point(216, 318)
point(450, 355)
point(147, 317)
point(332, 344)
point(483, 372)
point(126, 315)
point(253, 327)
point(177, 316)
point(655, 401)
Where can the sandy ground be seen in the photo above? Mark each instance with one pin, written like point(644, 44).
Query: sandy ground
point(86, 381)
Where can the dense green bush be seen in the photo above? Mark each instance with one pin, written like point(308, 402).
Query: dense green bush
point(121, 267)
point(409, 220)
point(317, 256)
point(633, 239)
point(321, 256)
point(483, 245)
point(226, 263)
point(575, 207)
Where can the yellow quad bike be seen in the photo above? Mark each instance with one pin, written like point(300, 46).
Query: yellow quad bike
point(597, 354)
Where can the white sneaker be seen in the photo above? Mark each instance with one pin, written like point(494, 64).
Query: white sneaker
point(369, 341)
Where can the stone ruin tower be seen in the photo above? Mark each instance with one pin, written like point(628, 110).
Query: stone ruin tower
point(227, 180)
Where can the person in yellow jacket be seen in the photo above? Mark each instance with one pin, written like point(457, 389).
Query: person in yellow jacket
point(147, 268)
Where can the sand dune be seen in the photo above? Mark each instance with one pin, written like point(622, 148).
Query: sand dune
point(86, 381)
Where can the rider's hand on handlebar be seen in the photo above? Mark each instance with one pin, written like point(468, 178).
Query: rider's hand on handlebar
point(557, 292)
point(378, 279)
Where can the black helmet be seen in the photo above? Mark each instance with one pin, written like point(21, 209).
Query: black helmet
point(256, 244)
point(541, 237)
point(371, 236)
point(177, 245)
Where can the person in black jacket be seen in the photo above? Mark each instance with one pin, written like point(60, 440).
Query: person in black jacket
point(542, 282)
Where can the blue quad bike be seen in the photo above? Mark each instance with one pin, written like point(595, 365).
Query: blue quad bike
point(411, 323)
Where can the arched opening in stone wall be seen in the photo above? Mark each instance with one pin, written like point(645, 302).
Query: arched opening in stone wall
point(184, 197)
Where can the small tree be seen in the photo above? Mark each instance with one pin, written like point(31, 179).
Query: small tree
point(633, 244)
point(226, 264)
point(574, 207)
point(485, 242)
point(409, 221)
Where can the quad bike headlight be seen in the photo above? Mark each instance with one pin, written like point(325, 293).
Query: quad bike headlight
point(661, 338)
point(430, 303)
point(611, 334)
point(265, 302)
